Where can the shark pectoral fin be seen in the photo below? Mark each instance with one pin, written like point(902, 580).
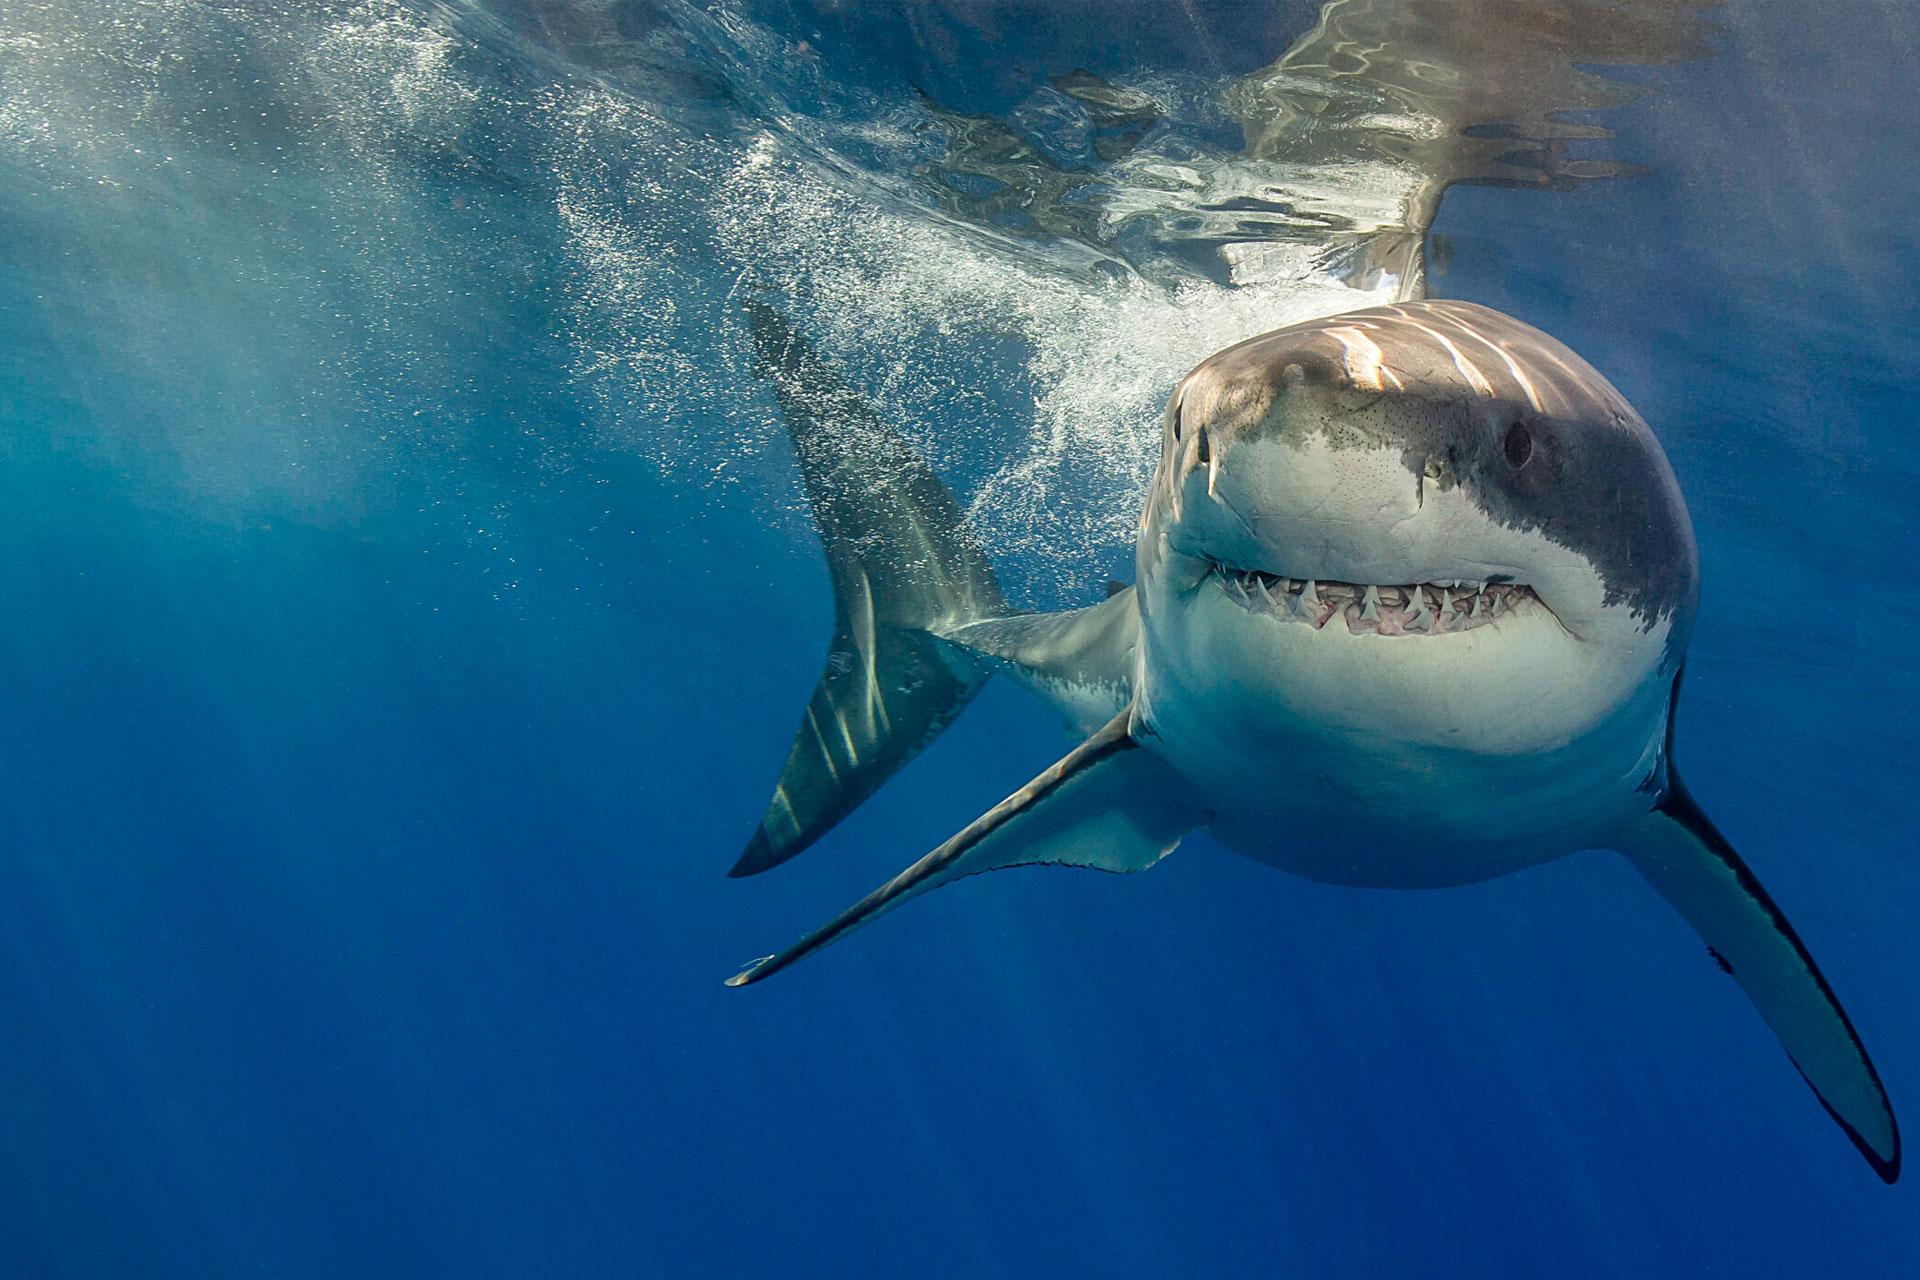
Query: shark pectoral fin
point(1107, 804)
point(1690, 863)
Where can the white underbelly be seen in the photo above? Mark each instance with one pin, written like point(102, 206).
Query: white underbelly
point(1390, 761)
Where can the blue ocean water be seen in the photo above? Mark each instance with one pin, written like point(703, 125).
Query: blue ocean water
point(408, 600)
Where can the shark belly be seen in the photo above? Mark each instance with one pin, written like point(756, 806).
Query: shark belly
point(1360, 760)
point(1417, 817)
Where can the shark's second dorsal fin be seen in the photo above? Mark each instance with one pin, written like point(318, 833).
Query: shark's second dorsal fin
point(1107, 804)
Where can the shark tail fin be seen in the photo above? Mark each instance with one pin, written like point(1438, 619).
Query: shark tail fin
point(903, 567)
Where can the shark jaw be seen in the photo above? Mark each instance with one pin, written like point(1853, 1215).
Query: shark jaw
point(1316, 602)
point(1335, 717)
point(1408, 609)
point(1256, 664)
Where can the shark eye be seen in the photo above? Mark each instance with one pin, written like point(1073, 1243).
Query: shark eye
point(1519, 445)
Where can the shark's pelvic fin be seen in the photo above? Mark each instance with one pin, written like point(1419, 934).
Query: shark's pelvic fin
point(902, 566)
point(1678, 849)
point(1107, 804)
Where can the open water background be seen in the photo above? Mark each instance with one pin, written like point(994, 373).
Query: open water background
point(406, 600)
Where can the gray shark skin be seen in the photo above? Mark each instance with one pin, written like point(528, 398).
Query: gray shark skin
point(1413, 568)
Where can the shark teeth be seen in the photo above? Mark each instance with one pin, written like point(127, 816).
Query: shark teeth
point(1390, 609)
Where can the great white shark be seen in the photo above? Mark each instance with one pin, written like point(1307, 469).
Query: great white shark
point(1413, 591)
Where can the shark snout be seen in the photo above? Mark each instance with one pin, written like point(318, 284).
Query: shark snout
point(1260, 501)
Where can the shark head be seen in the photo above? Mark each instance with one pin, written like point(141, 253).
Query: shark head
point(1426, 524)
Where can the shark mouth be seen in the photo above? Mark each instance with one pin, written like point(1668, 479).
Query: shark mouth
point(1411, 609)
